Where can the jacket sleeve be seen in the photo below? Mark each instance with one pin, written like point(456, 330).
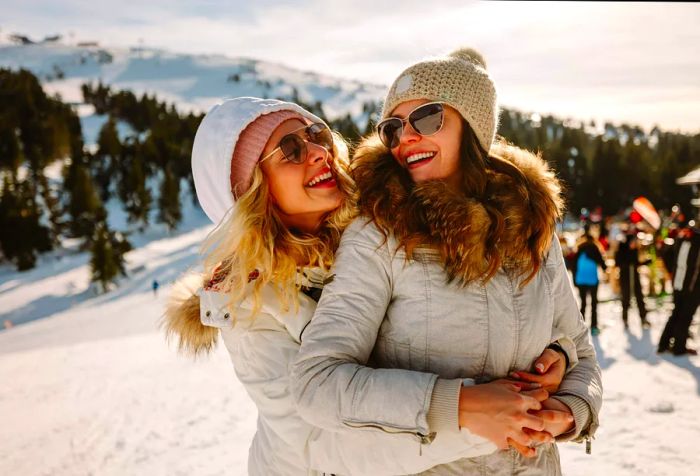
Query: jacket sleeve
point(599, 259)
point(582, 388)
point(333, 386)
point(262, 358)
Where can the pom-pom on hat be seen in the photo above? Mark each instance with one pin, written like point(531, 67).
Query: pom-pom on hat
point(460, 80)
point(228, 144)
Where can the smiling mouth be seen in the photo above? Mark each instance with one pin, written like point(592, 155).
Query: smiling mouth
point(416, 160)
point(324, 179)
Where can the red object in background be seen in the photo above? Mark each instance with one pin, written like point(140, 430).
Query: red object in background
point(635, 217)
point(647, 211)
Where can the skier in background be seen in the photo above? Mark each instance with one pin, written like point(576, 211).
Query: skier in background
point(683, 262)
point(155, 286)
point(585, 270)
point(627, 259)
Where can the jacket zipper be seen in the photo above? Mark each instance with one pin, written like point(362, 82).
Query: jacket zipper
point(422, 439)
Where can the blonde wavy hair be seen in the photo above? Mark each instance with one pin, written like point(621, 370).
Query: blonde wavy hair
point(253, 239)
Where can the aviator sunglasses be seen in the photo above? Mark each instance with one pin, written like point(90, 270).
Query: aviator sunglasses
point(293, 146)
point(426, 120)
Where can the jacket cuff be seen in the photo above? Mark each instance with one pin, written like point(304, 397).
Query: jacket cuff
point(443, 414)
point(569, 347)
point(582, 415)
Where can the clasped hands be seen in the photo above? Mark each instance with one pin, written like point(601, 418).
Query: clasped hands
point(518, 412)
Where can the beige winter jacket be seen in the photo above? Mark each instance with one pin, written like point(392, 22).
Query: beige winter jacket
point(423, 336)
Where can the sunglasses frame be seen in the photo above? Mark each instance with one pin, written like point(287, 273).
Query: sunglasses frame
point(408, 119)
point(303, 150)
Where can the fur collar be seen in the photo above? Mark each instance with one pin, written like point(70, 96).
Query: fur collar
point(181, 320)
point(511, 226)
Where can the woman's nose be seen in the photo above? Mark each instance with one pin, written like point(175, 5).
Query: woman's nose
point(315, 153)
point(409, 135)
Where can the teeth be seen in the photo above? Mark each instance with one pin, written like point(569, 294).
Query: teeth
point(417, 157)
point(319, 178)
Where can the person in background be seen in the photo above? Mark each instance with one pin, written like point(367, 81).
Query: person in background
point(683, 262)
point(585, 270)
point(627, 259)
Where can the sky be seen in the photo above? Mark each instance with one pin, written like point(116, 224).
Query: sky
point(620, 62)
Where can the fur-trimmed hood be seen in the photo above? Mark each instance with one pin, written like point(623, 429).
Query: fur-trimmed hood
point(512, 225)
point(181, 320)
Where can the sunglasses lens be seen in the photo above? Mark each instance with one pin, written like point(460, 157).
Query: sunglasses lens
point(390, 132)
point(320, 134)
point(427, 120)
point(293, 148)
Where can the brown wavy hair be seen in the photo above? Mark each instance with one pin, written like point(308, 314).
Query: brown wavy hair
point(503, 215)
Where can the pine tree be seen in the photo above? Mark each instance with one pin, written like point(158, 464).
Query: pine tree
point(132, 187)
point(22, 235)
point(84, 204)
point(107, 255)
point(169, 200)
point(108, 151)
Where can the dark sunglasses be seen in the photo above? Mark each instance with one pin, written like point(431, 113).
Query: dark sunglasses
point(293, 145)
point(426, 119)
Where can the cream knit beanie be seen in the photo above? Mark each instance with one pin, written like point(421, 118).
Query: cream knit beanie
point(459, 80)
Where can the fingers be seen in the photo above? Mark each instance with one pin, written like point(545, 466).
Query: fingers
point(517, 386)
point(527, 385)
point(520, 384)
point(524, 450)
point(555, 416)
point(528, 377)
point(533, 422)
point(539, 394)
point(546, 360)
point(539, 436)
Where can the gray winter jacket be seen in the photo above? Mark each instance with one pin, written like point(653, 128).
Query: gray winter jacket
point(423, 335)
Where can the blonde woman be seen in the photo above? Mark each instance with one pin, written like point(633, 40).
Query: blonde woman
point(273, 177)
point(452, 271)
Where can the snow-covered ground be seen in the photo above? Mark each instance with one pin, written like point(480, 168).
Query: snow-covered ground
point(93, 388)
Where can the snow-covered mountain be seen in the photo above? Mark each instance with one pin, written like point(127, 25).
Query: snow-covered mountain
point(191, 82)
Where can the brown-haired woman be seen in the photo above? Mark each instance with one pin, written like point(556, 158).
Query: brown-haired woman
point(452, 272)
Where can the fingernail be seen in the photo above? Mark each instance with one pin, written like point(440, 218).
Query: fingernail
point(570, 417)
point(540, 367)
point(515, 375)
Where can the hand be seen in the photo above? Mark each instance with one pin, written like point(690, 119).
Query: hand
point(498, 411)
point(550, 368)
point(557, 416)
point(538, 437)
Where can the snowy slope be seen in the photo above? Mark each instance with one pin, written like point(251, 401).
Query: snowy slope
point(193, 83)
point(94, 389)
